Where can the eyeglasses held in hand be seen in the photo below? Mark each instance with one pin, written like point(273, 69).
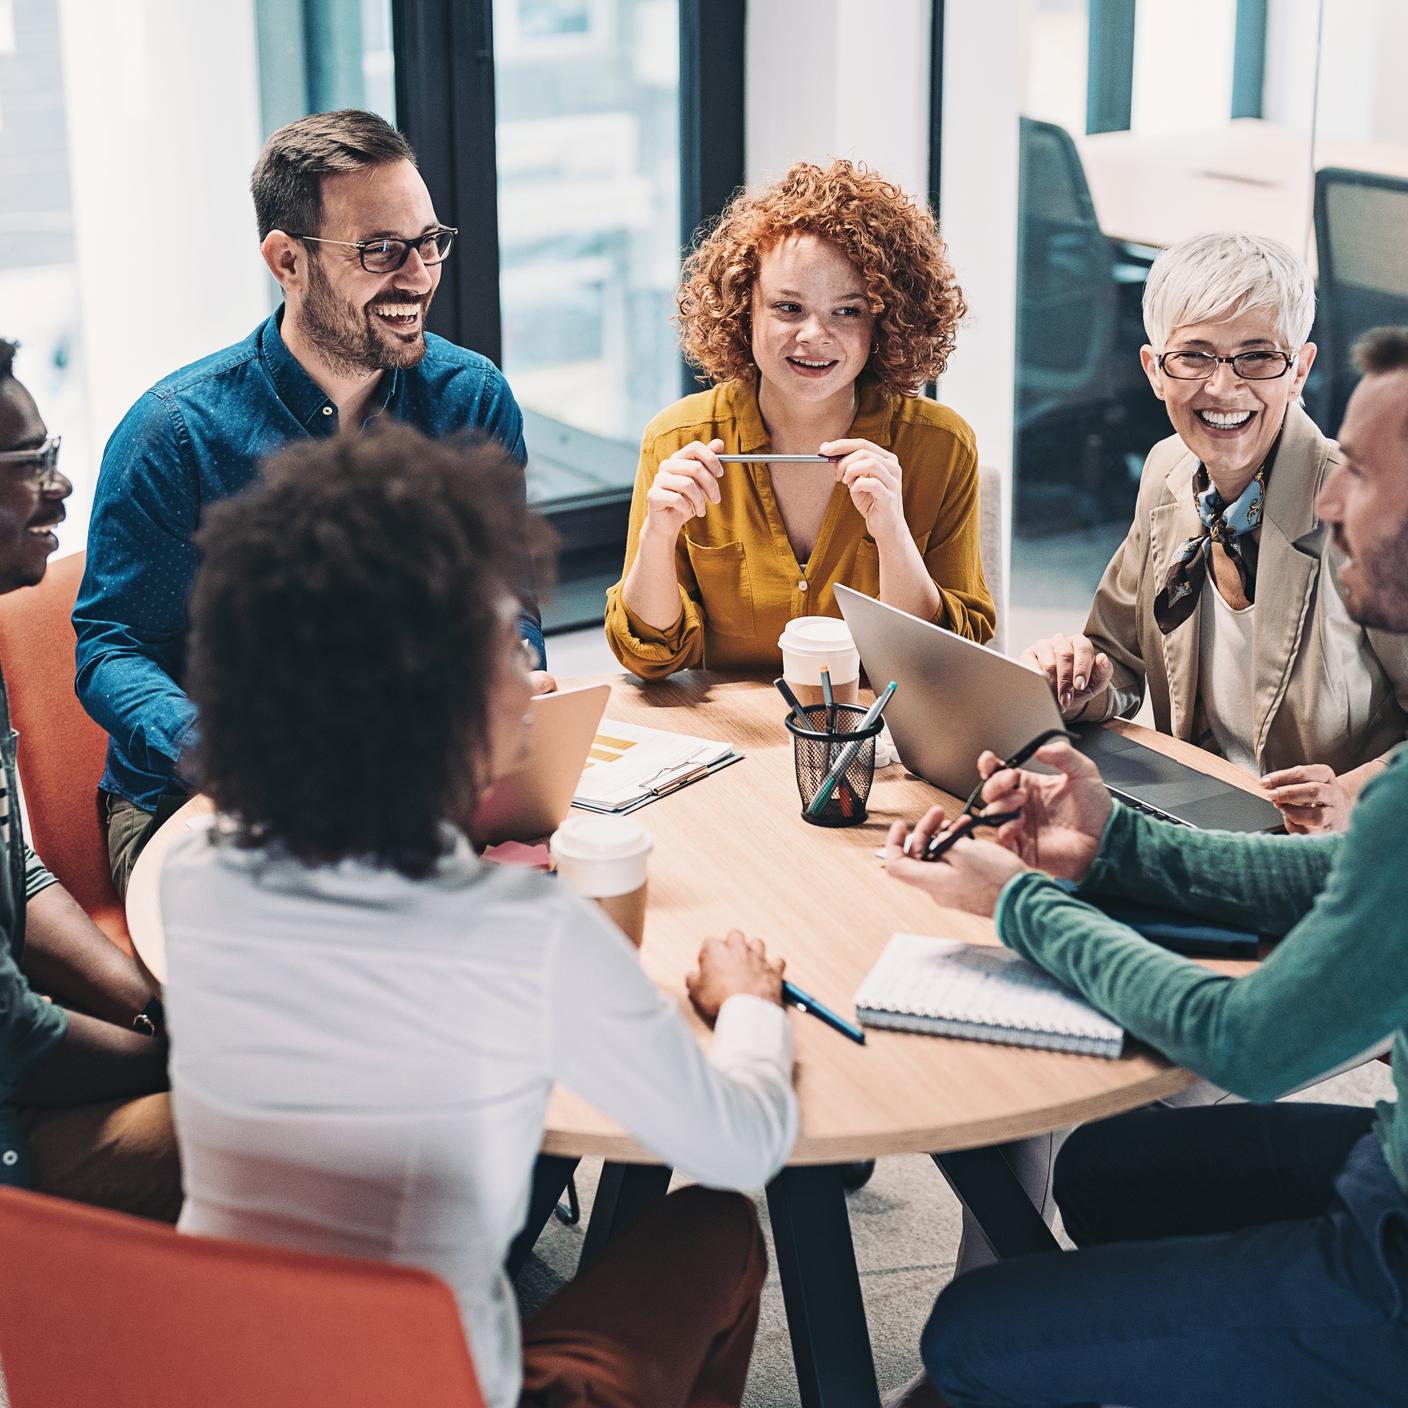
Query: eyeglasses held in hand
point(41, 463)
point(386, 255)
point(1261, 365)
point(946, 840)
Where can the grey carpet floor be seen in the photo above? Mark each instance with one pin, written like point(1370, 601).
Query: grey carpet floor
point(905, 1224)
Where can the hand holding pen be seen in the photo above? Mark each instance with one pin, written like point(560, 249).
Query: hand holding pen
point(735, 965)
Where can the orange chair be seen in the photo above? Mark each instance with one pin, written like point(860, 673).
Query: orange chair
point(61, 749)
point(97, 1308)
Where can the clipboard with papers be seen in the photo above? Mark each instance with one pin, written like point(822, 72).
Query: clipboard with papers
point(629, 766)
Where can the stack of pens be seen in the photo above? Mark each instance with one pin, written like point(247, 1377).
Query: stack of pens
point(834, 752)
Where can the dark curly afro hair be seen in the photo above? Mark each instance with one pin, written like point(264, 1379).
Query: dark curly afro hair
point(346, 624)
point(891, 238)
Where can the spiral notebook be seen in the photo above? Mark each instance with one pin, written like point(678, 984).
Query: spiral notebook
point(950, 988)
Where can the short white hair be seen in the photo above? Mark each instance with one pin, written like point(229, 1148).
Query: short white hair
point(1213, 278)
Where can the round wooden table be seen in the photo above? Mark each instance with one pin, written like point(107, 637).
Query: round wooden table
point(732, 851)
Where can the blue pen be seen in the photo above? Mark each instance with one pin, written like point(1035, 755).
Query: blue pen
point(805, 1002)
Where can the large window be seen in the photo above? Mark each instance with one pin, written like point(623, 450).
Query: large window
point(589, 214)
point(578, 143)
point(575, 142)
point(133, 127)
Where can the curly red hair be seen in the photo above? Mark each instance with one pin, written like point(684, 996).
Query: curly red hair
point(891, 238)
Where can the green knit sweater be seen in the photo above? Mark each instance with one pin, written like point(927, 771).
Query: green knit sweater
point(1334, 986)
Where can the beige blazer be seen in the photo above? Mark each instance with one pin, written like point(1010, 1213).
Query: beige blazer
point(1324, 691)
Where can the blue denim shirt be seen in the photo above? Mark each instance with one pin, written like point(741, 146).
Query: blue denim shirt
point(197, 437)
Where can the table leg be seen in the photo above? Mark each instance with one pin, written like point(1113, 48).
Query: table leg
point(816, 1263)
point(550, 1176)
point(622, 1194)
point(988, 1188)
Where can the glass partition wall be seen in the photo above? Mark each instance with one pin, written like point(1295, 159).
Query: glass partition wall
point(1142, 124)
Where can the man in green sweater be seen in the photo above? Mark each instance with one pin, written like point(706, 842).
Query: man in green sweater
point(1243, 1254)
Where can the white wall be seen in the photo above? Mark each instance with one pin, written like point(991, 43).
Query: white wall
point(985, 62)
point(162, 104)
point(1359, 64)
point(1182, 65)
point(831, 78)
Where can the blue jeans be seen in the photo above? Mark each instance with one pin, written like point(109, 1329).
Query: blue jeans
point(1238, 1254)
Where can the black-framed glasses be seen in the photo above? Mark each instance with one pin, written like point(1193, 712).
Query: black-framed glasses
point(968, 821)
point(386, 255)
point(42, 462)
point(1260, 365)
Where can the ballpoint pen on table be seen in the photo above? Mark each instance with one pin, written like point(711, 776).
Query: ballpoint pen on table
point(848, 753)
point(805, 1002)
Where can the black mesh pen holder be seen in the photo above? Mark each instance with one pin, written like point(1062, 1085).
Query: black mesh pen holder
point(817, 750)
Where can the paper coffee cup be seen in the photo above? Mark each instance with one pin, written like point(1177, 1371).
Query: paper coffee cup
point(811, 644)
point(604, 858)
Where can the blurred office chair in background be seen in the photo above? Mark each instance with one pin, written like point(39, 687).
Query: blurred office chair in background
point(1361, 238)
point(1080, 393)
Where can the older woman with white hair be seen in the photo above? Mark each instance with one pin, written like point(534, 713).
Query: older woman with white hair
point(1221, 601)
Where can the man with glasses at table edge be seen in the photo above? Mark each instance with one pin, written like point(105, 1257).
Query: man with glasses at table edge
point(349, 230)
point(84, 1112)
point(1220, 601)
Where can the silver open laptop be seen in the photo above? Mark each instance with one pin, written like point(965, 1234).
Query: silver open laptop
point(530, 802)
point(956, 698)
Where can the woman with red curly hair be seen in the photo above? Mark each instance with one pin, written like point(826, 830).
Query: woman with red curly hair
point(818, 308)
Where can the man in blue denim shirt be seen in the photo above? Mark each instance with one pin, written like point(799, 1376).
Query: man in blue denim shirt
point(83, 1108)
point(349, 230)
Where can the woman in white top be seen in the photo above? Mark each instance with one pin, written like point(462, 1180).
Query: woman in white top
point(1222, 601)
point(367, 1018)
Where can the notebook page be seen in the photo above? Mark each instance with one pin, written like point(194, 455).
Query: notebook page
point(921, 976)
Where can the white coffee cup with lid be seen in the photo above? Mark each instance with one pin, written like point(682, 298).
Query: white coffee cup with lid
point(811, 644)
point(604, 858)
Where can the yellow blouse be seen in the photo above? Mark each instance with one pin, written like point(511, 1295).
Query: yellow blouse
point(740, 582)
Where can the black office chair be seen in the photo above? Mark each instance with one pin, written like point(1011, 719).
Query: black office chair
point(1067, 297)
point(1078, 336)
point(1361, 235)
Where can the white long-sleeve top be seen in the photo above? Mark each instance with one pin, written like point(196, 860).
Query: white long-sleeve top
point(361, 1063)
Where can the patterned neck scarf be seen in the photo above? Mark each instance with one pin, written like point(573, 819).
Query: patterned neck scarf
point(1231, 525)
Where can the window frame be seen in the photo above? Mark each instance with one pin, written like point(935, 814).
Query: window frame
point(445, 104)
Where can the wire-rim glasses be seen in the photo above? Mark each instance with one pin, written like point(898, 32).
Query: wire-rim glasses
point(1261, 364)
point(42, 462)
point(386, 255)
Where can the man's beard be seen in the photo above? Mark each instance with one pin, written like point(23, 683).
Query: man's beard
point(1383, 603)
point(344, 335)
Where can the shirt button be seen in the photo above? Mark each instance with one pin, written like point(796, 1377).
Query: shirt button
point(802, 585)
point(327, 410)
point(9, 1158)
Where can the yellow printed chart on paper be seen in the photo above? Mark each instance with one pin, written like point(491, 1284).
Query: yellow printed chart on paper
point(606, 748)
